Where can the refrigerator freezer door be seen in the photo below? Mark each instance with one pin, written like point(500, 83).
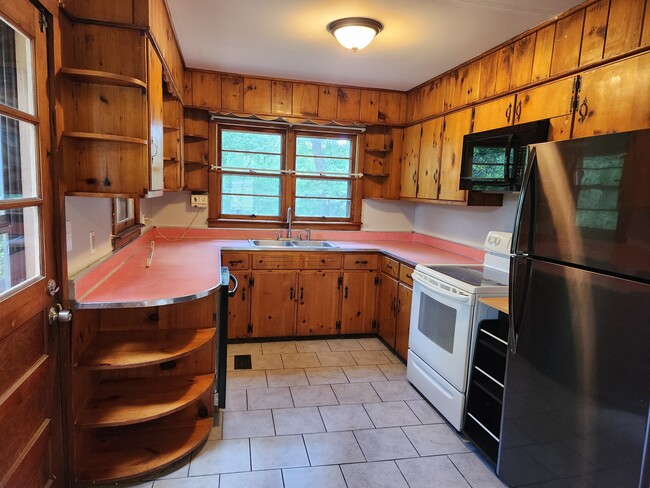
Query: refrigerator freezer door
point(586, 202)
point(577, 389)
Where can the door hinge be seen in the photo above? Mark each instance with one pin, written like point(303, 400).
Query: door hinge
point(444, 125)
point(338, 325)
point(251, 281)
point(376, 280)
point(249, 329)
point(340, 283)
point(374, 324)
point(577, 82)
point(42, 21)
point(417, 189)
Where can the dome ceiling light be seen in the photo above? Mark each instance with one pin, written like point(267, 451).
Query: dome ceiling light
point(354, 33)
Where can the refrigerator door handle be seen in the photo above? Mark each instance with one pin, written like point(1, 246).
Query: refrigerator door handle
point(519, 283)
point(527, 188)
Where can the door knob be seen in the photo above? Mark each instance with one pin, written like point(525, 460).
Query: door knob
point(57, 314)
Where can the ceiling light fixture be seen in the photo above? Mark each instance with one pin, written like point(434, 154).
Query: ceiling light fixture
point(355, 32)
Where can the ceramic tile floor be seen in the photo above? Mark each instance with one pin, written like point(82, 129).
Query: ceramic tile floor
point(327, 414)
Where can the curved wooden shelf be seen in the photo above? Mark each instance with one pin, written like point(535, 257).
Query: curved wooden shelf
point(94, 136)
point(121, 453)
point(134, 400)
point(102, 78)
point(132, 349)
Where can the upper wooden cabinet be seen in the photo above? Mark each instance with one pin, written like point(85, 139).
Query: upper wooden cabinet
point(111, 95)
point(494, 114)
point(614, 98)
point(429, 165)
point(456, 125)
point(410, 161)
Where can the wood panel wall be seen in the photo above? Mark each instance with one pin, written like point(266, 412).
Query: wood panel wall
point(585, 36)
point(227, 92)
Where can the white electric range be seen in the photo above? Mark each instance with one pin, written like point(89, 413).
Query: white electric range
point(444, 322)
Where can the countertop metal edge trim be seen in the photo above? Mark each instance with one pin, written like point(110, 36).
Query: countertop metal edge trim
point(145, 303)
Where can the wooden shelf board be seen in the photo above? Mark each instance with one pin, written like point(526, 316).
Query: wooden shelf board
point(93, 136)
point(120, 454)
point(382, 175)
point(170, 127)
point(197, 163)
point(102, 78)
point(171, 160)
point(202, 137)
point(377, 150)
point(134, 400)
point(131, 349)
point(500, 303)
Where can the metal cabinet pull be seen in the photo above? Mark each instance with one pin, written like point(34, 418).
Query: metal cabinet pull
point(291, 293)
point(239, 261)
point(583, 110)
point(346, 292)
point(302, 293)
point(361, 262)
point(518, 111)
point(508, 112)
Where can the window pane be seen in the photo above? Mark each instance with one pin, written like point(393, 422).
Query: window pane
point(17, 159)
point(317, 207)
point(19, 247)
point(250, 205)
point(239, 140)
point(124, 209)
point(251, 185)
point(323, 155)
point(16, 73)
point(267, 162)
point(308, 187)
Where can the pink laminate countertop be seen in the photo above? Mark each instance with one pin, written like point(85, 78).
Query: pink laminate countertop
point(191, 267)
point(179, 271)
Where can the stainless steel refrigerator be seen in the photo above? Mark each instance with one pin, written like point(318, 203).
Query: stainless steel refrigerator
point(575, 411)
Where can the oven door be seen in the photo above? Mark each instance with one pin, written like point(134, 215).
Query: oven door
point(440, 332)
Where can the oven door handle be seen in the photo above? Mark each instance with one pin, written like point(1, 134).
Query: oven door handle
point(439, 291)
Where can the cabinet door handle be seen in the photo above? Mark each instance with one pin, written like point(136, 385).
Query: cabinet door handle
point(518, 111)
point(583, 110)
point(409, 276)
point(361, 262)
point(399, 306)
point(232, 263)
point(243, 294)
point(389, 266)
point(435, 177)
point(346, 292)
point(291, 293)
point(508, 112)
point(302, 293)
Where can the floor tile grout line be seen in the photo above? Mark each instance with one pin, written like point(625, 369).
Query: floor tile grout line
point(409, 439)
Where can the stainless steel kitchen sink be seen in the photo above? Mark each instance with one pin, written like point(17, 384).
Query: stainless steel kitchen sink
point(291, 244)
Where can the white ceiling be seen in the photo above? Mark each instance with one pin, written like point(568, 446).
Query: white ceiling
point(287, 38)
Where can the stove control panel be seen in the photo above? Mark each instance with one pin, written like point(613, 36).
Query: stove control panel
point(498, 242)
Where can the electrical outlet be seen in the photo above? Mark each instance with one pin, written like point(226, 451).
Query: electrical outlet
point(92, 242)
point(199, 200)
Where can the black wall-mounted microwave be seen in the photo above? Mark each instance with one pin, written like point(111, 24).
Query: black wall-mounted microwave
point(495, 160)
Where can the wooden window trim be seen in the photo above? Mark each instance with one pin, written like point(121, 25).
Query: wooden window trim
point(127, 231)
point(287, 183)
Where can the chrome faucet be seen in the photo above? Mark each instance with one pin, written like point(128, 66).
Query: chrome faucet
point(289, 223)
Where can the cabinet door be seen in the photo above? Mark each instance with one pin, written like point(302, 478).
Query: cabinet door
point(494, 115)
point(318, 303)
point(358, 303)
point(429, 166)
point(551, 101)
point(155, 92)
point(239, 307)
point(614, 98)
point(273, 305)
point(404, 295)
point(456, 126)
point(410, 161)
point(387, 305)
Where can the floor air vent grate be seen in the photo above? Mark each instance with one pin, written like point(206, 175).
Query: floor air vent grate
point(243, 361)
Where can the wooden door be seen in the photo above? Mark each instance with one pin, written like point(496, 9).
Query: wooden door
point(318, 303)
point(387, 306)
point(494, 114)
point(358, 302)
point(429, 166)
point(551, 101)
point(273, 305)
point(614, 98)
point(456, 126)
point(31, 452)
point(239, 307)
point(410, 161)
point(156, 136)
point(404, 295)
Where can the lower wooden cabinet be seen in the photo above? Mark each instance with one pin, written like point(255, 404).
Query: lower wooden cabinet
point(273, 303)
point(285, 294)
point(394, 310)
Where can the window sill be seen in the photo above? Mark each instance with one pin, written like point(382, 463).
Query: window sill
point(122, 238)
point(274, 224)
